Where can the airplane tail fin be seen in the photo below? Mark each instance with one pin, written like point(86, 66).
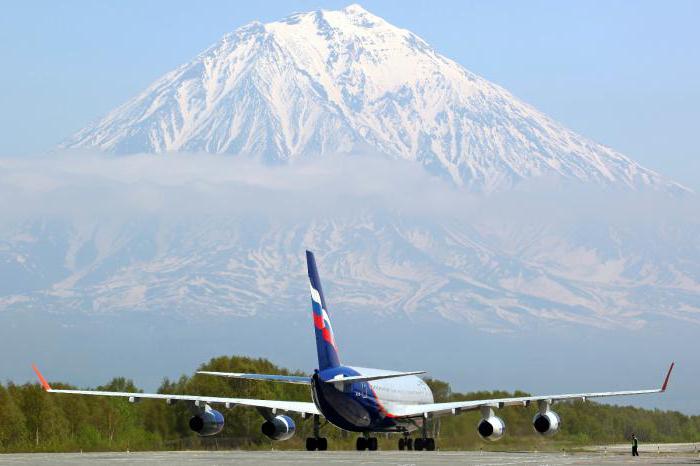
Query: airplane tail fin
point(325, 340)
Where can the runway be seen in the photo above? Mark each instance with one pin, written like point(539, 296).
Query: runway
point(190, 458)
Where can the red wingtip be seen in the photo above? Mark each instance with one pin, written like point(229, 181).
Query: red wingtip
point(668, 376)
point(43, 381)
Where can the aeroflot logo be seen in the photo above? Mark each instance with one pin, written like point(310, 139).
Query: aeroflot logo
point(322, 321)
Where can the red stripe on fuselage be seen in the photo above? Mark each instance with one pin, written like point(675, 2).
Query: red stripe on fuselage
point(381, 406)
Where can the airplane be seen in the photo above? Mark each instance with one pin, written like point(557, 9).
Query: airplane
point(356, 399)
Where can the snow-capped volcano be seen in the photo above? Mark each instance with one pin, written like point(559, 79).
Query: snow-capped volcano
point(348, 81)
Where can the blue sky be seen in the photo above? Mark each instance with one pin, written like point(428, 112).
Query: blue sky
point(625, 74)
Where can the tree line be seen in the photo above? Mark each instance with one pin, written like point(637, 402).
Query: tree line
point(33, 420)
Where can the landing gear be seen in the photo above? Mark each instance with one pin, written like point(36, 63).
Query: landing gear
point(372, 444)
point(313, 443)
point(366, 443)
point(317, 442)
point(422, 443)
point(425, 443)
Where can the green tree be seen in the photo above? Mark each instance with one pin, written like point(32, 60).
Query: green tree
point(13, 433)
point(33, 420)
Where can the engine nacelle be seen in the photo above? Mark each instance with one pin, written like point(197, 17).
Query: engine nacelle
point(491, 428)
point(279, 428)
point(208, 422)
point(547, 423)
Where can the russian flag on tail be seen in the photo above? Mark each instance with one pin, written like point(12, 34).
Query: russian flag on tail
point(325, 340)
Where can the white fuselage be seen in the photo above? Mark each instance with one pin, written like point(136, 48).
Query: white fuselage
point(400, 390)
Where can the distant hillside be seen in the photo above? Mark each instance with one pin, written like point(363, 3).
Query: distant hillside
point(31, 420)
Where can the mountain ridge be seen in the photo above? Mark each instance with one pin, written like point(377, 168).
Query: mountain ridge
point(346, 81)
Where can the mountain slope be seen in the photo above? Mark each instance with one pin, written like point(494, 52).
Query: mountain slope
point(347, 81)
point(510, 278)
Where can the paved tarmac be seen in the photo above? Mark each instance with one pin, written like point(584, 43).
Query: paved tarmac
point(682, 448)
point(276, 458)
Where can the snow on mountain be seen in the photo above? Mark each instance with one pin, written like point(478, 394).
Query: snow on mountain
point(200, 241)
point(504, 276)
point(347, 81)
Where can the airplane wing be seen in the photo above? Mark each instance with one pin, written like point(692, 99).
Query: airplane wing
point(301, 407)
point(440, 409)
point(298, 379)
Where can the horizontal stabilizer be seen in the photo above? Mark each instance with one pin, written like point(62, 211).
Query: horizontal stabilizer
point(369, 378)
point(300, 379)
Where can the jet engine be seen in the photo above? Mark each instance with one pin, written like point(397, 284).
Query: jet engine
point(279, 428)
point(208, 422)
point(491, 428)
point(547, 423)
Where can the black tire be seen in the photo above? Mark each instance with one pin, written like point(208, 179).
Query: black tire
point(402, 444)
point(361, 444)
point(372, 444)
point(311, 444)
point(322, 444)
point(409, 444)
point(418, 444)
point(430, 444)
